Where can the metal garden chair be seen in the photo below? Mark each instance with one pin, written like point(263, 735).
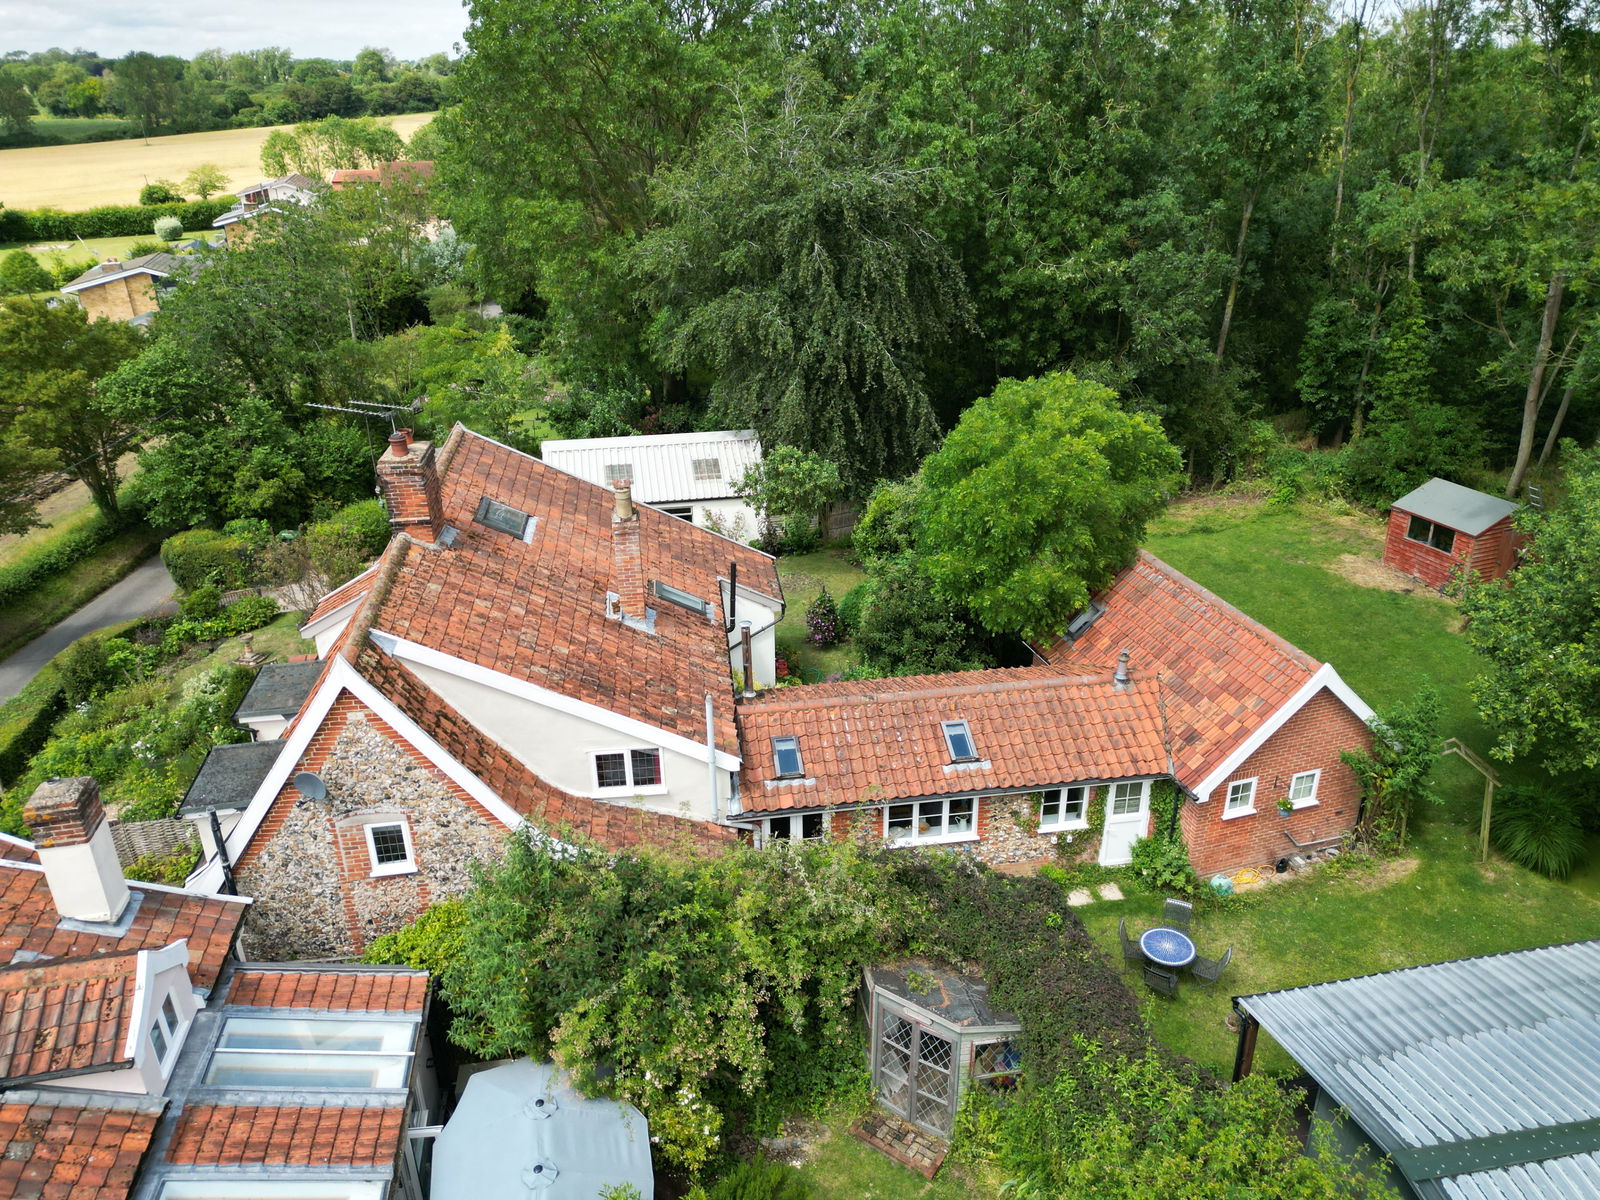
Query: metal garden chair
point(1165, 982)
point(1175, 914)
point(1209, 970)
point(1130, 945)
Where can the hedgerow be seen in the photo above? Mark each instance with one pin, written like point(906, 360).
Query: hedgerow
point(53, 556)
point(117, 220)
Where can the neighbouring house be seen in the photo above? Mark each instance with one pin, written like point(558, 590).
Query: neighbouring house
point(140, 1059)
point(686, 475)
point(124, 290)
point(1158, 683)
point(1478, 1078)
point(270, 195)
point(530, 649)
point(414, 172)
point(1441, 529)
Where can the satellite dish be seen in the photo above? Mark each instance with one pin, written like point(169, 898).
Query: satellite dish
point(310, 785)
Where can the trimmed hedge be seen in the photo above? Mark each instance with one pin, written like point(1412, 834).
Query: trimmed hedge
point(28, 728)
point(112, 220)
point(202, 556)
point(51, 558)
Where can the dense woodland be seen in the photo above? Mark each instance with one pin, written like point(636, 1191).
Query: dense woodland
point(162, 93)
point(840, 224)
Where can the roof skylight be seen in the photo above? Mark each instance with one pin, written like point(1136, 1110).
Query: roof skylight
point(708, 468)
point(959, 740)
point(504, 518)
point(786, 757)
point(678, 596)
point(619, 471)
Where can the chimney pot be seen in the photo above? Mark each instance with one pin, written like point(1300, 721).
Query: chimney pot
point(622, 496)
point(400, 442)
point(1121, 676)
point(75, 849)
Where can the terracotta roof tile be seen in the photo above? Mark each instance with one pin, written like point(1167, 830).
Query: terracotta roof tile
point(73, 1146)
point(342, 991)
point(31, 922)
point(65, 1014)
point(536, 611)
point(261, 1135)
point(352, 589)
point(1223, 673)
point(876, 740)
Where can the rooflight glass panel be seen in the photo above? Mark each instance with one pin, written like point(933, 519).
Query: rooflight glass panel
point(786, 757)
point(679, 597)
point(502, 517)
point(959, 739)
point(619, 473)
point(272, 1189)
point(708, 468)
point(311, 1053)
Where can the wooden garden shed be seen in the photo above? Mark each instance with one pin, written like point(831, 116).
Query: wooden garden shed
point(934, 1034)
point(1442, 526)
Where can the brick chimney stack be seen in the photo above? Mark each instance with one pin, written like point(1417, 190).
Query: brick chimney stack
point(74, 840)
point(409, 481)
point(627, 561)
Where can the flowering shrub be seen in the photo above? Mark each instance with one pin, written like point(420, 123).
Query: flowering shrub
point(823, 626)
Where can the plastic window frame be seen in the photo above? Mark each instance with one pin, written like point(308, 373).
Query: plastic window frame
point(632, 786)
point(1061, 823)
point(1310, 799)
point(951, 729)
point(401, 866)
point(917, 838)
point(1231, 810)
point(799, 759)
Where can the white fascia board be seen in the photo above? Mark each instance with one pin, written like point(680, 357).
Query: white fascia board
point(344, 677)
point(1325, 677)
point(315, 629)
point(96, 282)
point(426, 656)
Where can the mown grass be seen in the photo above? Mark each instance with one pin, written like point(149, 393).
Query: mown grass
point(59, 597)
point(98, 249)
point(279, 641)
point(1438, 903)
point(803, 577)
point(845, 1168)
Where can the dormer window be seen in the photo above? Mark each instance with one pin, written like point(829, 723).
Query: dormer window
point(786, 757)
point(959, 740)
point(504, 518)
point(708, 468)
point(1084, 619)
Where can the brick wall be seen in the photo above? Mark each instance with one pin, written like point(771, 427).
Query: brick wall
point(308, 866)
point(410, 486)
point(1310, 740)
point(119, 300)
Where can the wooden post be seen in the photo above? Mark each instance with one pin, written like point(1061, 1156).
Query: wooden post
point(1245, 1056)
point(1490, 778)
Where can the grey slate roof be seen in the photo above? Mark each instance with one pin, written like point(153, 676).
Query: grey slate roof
point(279, 690)
point(1459, 508)
point(159, 265)
point(1439, 1064)
point(229, 776)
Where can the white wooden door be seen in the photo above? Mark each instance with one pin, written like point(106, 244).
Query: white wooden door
point(1127, 814)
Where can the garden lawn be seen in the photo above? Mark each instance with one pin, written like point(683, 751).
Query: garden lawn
point(279, 641)
point(845, 1168)
point(803, 577)
point(98, 249)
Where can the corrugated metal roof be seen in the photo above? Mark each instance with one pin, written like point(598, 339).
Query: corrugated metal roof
point(665, 468)
point(1459, 508)
point(1438, 1063)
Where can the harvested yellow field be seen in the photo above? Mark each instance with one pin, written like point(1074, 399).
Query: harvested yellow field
point(94, 173)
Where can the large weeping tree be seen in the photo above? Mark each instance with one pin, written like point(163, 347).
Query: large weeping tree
point(795, 275)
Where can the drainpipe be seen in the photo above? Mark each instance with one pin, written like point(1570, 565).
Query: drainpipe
point(749, 662)
point(711, 760)
point(1244, 1057)
point(229, 888)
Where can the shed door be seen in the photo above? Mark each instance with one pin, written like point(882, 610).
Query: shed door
point(916, 1074)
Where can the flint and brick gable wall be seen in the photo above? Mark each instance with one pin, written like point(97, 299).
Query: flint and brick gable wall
point(1310, 740)
point(309, 868)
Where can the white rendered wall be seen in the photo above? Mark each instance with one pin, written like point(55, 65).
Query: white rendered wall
point(734, 518)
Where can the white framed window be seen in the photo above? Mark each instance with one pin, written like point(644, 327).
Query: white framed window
point(786, 757)
point(311, 1053)
point(627, 770)
point(684, 512)
point(389, 847)
point(164, 1031)
point(931, 821)
point(1064, 808)
point(958, 738)
point(796, 827)
point(1303, 788)
point(1241, 801)
point(1127, 799)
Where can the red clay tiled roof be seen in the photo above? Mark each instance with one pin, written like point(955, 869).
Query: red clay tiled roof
point(1222, 673)
point(77, 1149)
point(616, 826)
point(351, 589)
point(63, 1015)
point(536, 611)
point(245, 1135)
point(876, 740)
point(343, 991)
point(30, 922)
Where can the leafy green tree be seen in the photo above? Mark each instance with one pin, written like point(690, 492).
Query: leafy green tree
point(318, 148)
point(162, 191)
point(50, 375)
point(1540, 631)
point(1039, 495)
point(794, 269)
point(1396, 775)
point(21, 273)
point(907, 627)
point(205, 180)
point(790, 488)
point(17, 107)
point(147, 89)
point(372, 66)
